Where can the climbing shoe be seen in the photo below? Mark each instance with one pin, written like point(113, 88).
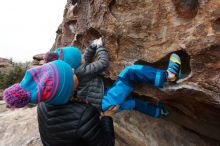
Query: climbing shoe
point(175, 65)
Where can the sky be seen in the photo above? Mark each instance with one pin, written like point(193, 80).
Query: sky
point(28, 27)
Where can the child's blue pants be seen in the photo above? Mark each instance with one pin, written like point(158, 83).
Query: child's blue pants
point(123, 86)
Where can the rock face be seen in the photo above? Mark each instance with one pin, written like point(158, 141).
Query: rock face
point(19, 128)
point(134, 129)
point(5, 65)
point(146, 32)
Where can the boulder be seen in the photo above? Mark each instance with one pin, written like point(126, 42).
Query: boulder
point(20, 127)
point(35, 62)
point(2, 106)
point(135, 129)
point(6, 65)
point(41, 62)
point(39, 57)
point(147, 32)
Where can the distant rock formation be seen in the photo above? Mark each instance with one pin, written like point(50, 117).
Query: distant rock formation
point(38, 60)
point(6, 65)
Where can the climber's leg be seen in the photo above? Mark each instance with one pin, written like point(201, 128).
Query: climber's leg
point(151, 109)
point(116, 94)
point(147, 108)
point(143, 106)
point(174, 67)
point(139, 74)
point(143, 74)
point(123, 86)
point(128, 104)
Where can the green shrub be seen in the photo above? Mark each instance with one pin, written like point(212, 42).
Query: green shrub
point(2, 78)
point(14, 76)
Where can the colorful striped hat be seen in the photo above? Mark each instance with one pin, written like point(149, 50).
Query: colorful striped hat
point(51, 83)
point(70, 55)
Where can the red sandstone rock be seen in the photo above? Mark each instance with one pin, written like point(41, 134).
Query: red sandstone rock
point(146, 32)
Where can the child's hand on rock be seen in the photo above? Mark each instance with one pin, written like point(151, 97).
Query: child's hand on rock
point(97, 43)
point(111, 110)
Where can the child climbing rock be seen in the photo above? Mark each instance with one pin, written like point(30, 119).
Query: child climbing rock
point(88, 82)
point(91, 88)
point(123, 86)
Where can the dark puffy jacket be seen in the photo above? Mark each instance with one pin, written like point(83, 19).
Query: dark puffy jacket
point(91, 85)
point(74, 124)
